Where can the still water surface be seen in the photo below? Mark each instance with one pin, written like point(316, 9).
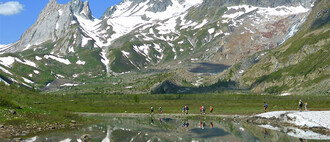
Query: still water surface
point(157, 128)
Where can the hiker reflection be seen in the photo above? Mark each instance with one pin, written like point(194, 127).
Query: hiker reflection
point(187, 124)
point(302, 140)
point(266, 133)
point(211, 124)
point(203, 124)
point(160, 121)
point(152, 121)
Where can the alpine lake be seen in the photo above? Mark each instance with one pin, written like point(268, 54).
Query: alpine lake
point(170, 128)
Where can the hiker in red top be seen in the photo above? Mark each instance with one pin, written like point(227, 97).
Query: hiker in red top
point(160, 110)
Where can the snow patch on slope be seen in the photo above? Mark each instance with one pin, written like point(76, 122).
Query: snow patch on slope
point(8, 61)
point(5, 70)
point(61, 60)
point(143, 50)
point(276, 11)
point(27, 80)
point(79, 62)
point(4, 47)
point(38, 58)
point(211, 31)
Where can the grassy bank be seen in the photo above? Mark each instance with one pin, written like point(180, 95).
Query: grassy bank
point(21, 114)
point(222, 103)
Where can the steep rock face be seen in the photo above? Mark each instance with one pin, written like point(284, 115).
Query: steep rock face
point(54, 22)
point(301, 64)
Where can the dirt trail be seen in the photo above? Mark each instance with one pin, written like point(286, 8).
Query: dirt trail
point(177, 115)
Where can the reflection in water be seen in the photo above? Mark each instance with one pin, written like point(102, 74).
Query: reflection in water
point(302, 140)
point(209, 133)
point(160, 121)
point(152, 121)
point(107, 138)
point(143, 129)
point(266, 133)
point(185, 123)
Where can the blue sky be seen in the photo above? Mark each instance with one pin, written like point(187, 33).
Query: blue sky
point(16, 16)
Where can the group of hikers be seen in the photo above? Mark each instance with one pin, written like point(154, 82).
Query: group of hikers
point(185, 110)
point(301, 104)
point(202, 109)
point(203, 125)
point(152, 110)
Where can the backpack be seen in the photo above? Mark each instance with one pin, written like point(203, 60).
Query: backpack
point(187, 108)
point(266, 105)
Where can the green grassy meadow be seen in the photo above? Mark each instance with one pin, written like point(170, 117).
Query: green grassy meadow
point(172, 103)
point(37, 108)
point(23, 101)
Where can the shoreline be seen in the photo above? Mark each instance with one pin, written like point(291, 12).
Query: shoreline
point(269, 118)
point(10, 131)
point(168, 115)
point(316, 121)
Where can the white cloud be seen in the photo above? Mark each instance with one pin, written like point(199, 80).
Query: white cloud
point(10, 8)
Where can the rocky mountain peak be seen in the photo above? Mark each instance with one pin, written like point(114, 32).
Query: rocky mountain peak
point(86, 11)
point(81, 8)
point(52, 1)
point(159, 5)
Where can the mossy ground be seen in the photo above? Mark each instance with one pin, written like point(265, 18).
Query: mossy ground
point(172, 103)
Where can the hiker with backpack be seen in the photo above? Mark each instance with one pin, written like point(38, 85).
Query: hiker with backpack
point(160, 110)
point(151, 110)
point(211, 109)
point(187, 109)
point(306, 105)
point(184, 109)
point(203, 110)
point(265, 106)
point(300, 105)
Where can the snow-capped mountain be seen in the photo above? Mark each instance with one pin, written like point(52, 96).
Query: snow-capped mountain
point(68, 45)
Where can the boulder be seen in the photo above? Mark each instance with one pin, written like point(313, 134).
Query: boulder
point(85, 137)
point(12, 111)
point(73, 122)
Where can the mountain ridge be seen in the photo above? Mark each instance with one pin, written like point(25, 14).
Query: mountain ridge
point(150, 39)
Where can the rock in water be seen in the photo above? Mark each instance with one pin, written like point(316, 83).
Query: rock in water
point(85, 137)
